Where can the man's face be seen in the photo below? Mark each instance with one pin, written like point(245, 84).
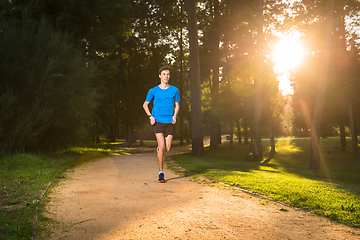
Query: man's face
point(164, 76)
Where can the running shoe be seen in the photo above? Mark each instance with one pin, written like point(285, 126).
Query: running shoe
point(161, 178)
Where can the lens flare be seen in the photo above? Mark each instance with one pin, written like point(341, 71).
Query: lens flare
point(288, 54)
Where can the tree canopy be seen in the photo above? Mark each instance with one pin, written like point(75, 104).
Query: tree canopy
point(125, 42)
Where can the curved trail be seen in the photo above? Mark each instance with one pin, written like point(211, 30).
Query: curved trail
point(119, 198)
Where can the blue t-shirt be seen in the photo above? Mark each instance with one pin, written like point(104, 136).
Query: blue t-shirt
point(164, 103)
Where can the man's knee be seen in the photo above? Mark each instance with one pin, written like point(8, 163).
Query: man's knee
point(162, 147)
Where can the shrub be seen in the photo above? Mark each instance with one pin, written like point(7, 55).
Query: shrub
point(47, 90)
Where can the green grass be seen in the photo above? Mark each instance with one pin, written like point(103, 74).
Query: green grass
point(333, 192)
point(23, 177)
point(122, 144)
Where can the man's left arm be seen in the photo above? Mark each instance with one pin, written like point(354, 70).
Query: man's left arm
point(176, 111)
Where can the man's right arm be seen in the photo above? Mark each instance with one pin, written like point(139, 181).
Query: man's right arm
point(147, 110)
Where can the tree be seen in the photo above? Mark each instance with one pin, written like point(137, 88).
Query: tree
point(215, 136)
point(196, 122)
point(258, 82)
point(48, 89)
point(321, 88)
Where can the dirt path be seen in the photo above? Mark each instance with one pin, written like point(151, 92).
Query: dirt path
point(119, 198)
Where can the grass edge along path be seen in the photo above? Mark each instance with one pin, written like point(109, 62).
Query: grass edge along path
point(23, 180)
point(332, 192)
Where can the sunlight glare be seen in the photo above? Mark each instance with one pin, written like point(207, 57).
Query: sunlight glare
point(288, 54)
point(285, 84)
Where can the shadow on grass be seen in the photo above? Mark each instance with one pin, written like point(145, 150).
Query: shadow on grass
point(336, 166)
point(271, 156)
point(292, 156)
point(332, 191)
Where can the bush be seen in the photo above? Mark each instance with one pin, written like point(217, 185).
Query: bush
point(47, 90)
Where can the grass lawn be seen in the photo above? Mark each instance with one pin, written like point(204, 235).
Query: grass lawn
point(24, 177)
point(333, 192)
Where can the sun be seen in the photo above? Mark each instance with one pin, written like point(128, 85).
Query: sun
point(288, 53)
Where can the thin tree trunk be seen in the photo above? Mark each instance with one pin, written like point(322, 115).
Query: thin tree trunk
point(196, 121)
point(181, 114)
point(258, 82)
point(272, 139)
point(186, 133)
point(342, 136)
point(320, 95)
point(215, 134)
point(251, 146)
point(117, 127)
point(131, 135)
point(246, 130)
point(231, 135)
point(238, 126)
point(112, 128)
point(353, 130)
point(97, 132)
point(343, 46)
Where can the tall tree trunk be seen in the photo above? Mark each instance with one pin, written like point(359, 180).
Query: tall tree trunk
point(181, 114)
point(342, 46)
point(215, 134)
point(258, 82)
point(353, 130)
point(320, 95)
point(272, 139)
point(131, 136)
point(342, 136)
point(196, 122)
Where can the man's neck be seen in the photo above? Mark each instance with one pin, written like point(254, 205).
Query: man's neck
point(164, 85)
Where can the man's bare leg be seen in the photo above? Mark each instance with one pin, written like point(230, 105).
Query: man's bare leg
point(161, 149)
point(168, 140)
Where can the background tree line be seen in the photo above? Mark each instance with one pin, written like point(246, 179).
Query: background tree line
point(121, 44)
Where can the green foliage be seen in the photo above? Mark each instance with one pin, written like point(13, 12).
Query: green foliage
point(47, 90)
point(331, 192)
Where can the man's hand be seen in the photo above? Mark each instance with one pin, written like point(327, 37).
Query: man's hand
point(174, 120)
point(152, 120)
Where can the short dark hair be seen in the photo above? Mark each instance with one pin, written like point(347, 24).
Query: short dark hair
point(166, 67)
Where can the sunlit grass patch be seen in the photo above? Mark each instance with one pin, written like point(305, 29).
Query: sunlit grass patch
point(323, 198)
point(107, 151)
point(121, 144)
point(288, 145)
point(285, 176)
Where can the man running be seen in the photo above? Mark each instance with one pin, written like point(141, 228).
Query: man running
point(166, 105)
